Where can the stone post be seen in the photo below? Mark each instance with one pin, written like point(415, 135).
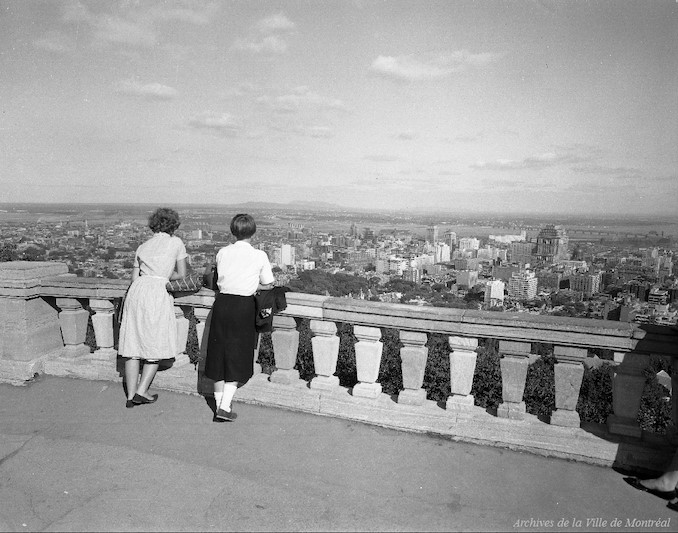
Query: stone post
point(202, 330)
point(73, 320)
point(674, 392)
point(181, 358)
point(368, 351)
point(102, 322)
point(29, 326)
point(627, 390)
point(462, 369)
point(569, 372)
point(285, 338)
point(514, 363)
point(325, 345)
point(413, 355)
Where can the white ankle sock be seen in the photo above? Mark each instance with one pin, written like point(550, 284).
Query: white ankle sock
point(218, 398)
point(229, 392)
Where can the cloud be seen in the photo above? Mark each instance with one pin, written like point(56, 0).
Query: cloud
point(430, 66)
point(600, 170)
point(300, 99)
point(223, 125)
point(406, 136)
point(320, 132)
point(54, 41)
point(151, 91)
point(381, 157)
point(198, 14)
point(268, 35)
point(545, 160)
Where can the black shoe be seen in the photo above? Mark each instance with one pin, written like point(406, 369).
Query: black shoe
point(225, 416)
point(129, 404)
point(139, 400)
point(636, 484)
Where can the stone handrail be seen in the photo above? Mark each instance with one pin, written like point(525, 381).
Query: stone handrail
point(43, 322)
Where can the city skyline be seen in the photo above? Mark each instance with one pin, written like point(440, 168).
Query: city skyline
point(513, 107)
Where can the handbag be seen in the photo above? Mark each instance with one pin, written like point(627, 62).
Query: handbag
point(191, 283)
point(210, 277)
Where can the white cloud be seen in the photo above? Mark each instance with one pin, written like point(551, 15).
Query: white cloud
point(268, 35)
point(223, 125)
point(54, 41)
point(273, 23)
point(300, 99)
point(153, 91)
point(430, 66)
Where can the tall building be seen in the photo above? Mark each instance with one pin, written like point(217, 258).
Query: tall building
point(494, 293)
point(451, 239)
point(441, 253)
point(432, 234)
point(552, 244)
point(588, 284)
point(523, 285)
point(467, 278)
point(521, 252)
point(469, 243)
point(287, 255)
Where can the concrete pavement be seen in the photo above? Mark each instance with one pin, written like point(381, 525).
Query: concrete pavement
point(72, 458)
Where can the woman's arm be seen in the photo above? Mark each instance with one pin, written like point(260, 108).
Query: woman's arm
point(180, 270)
point(135, 273)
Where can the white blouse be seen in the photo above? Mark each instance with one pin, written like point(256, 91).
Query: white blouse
point(241, 268)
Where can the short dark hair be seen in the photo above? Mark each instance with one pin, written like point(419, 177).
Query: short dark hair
point(243, 226)
point(164, 220)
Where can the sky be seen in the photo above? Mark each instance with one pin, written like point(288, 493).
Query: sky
point(459, 106)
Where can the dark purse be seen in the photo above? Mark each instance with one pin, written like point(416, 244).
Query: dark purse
point(210, 277)
point(191, 283)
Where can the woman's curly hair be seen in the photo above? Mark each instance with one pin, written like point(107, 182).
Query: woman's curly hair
point(164, 220)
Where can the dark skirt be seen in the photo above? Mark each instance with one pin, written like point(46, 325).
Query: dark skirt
point(231, 341)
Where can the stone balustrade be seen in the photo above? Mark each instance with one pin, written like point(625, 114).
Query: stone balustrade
point(44, 313)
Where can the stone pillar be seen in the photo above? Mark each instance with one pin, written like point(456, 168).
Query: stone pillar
point(325, 345)
point(674, 392)
point(102, 322)
point(462, 369)
point(514, 363)
point(202, 330)
point(73, 320)
point(569, 372)
point(285, 338)
point(181, 358)
point(29, 326)
point(627, 389)
point(413, 355)
point(368, 351)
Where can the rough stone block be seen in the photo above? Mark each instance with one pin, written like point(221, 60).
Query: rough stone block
point(285, 376)
point(564, 418)
point(367, 390)
point(412, 397)
point(513, 411)
point(325, 383)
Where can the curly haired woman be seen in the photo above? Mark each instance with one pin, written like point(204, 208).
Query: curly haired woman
point(148, 330)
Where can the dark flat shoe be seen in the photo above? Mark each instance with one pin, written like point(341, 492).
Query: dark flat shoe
point(225, 416)
point(139, 400)
point(635, 483)
point(129, 404)
point(673, 506)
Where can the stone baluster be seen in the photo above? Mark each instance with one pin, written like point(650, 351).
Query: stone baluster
point(102, 322)
point(73, 320)
point(325, 345)
point(462, 369)
point(674, 392)
point(514, 363)
point(203, 317)
point(413, 355)
point(182, 323)
point(568, 374)
point(627, 389)
point(285, 339)
point(368, 351)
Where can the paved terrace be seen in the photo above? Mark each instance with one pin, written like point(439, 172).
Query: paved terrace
point(319, 456)
point(73, 458)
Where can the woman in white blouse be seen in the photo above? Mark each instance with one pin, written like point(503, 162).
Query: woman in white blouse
point(148, 331)
point(241, 270)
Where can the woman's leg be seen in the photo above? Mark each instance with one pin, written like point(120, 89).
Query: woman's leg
point(147, 375)
point(218, 393)
point(229, 391)
point(668, 481)
point(131, 377)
